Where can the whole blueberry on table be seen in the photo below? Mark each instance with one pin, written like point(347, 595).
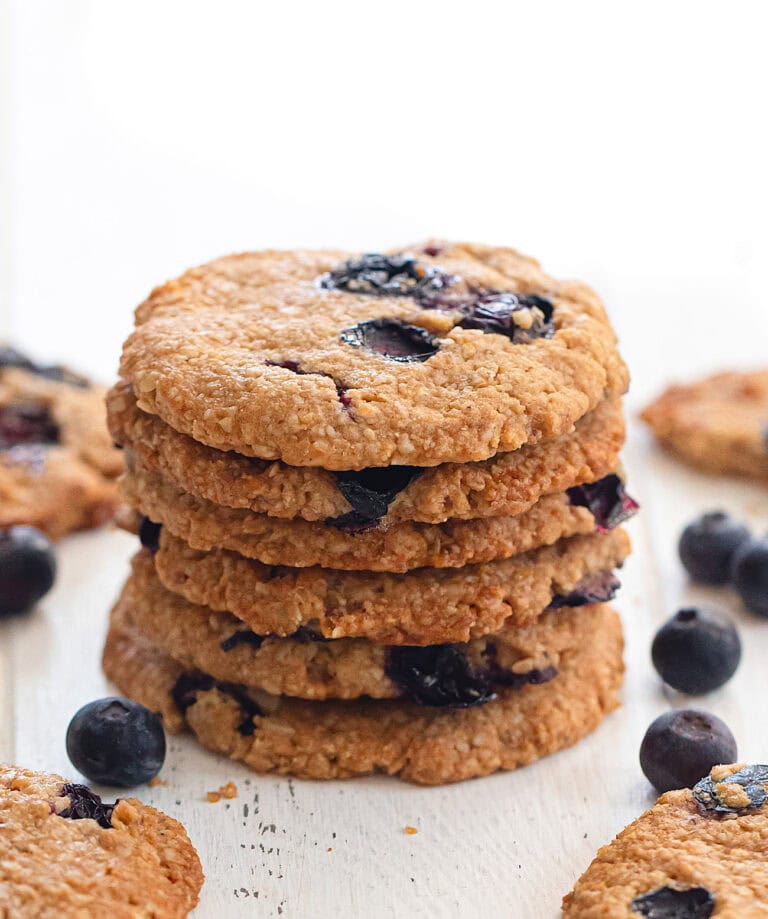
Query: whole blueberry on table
point(681, 746)
point(707, 546)
point(696, 651)
point(749, 574)
point(27, 568)
point(115, 741)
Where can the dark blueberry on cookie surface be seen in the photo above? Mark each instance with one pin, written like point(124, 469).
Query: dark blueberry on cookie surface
point(385, 275)
point(437, 675)
point(733, 790)
point(392, 339)
point(521, 317)
point(696, 651)
point(27, 568)
point(671, 903)
point(707, 546)
point(683, 745)
point(749, 574)
point(149, 534)
point(84, 804)
point(371, 491)
point(594, 588)
point(115, 741)
point(606, 500)
point(27, 423)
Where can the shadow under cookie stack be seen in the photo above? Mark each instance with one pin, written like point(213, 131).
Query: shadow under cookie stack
point(379, 501)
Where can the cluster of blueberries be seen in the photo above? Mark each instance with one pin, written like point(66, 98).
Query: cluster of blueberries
point(698, 650)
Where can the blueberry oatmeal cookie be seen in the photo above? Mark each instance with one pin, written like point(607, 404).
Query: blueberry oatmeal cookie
point(347, 362)
point(398, 548)
point(427, 606)
point(719, 424)
point(57, 462)
point(504, 485)
point(697, 853)
point(307, 665)
point(342, 739)
point(66, 854)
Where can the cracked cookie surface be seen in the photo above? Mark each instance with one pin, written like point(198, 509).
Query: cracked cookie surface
point(718, 424)
point(680, 859)
point(133, 861)
point(426, 606)
point(504, 485)
point(341, 739)
point(255, 353)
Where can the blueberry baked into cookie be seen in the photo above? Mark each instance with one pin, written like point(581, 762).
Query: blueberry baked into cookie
point(380, 501)
point(58, 465)
point(697, 853)
point(66, 853)
point(719, 424)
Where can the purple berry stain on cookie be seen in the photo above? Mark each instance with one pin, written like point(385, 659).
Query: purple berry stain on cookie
point(606, 500)
point(85, 804)
point(594, 588)
point(742, 791)
point(242, 637)
point(27, 423)
point(189, 684)
point(370, 492)
point(386, 276)
point(437, 675)
point(392, 339)
point(149, 534)
point(669, 903)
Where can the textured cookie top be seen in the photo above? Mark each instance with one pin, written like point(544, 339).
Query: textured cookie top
point(719, 424)
point(695, 854)
point(64, 852)
point(325, 359)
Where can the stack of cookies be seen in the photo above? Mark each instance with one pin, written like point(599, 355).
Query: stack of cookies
point(379, 501)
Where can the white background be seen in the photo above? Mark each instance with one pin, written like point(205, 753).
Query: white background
point(621, 143)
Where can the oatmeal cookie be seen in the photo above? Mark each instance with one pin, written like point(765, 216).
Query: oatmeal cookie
point(696, 853)
point(66, 853)
point(345, 362)
point(308, 666)
point(427, 606)
point(503, 486)
point(400, 547)
point(341, 739)
point(719, 424)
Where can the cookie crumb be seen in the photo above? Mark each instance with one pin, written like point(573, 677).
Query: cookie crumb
point(411, 831)
point(225, 791)
point(155, 781)
point(329, 849)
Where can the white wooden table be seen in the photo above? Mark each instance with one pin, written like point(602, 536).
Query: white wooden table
point(648, 182)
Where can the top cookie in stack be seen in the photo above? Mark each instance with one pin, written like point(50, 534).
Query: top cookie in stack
point(388, 477)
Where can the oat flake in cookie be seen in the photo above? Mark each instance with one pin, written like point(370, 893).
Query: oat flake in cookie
point(66, 854)
point(346, 362)
point(695, 854)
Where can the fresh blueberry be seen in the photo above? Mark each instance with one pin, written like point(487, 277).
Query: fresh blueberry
point(750, 575)
point(115, 741)
point(393, 339)
point(671, 903)
point(707, 546)
point(696, 651)
point(683, 745)
point(27, 568)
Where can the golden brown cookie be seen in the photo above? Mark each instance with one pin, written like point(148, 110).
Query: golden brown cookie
point(504, 485)
point(426, 606)
point(398, 548)
point(307, 666)
point(696, 853)
point(65, 854)
point(325, 359)
point(719, 424)
point(340, 739)
point(57, 462)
